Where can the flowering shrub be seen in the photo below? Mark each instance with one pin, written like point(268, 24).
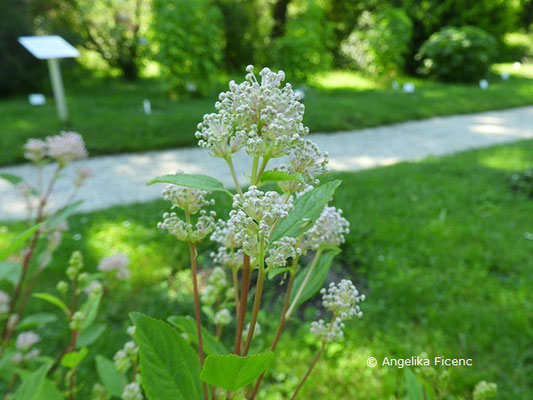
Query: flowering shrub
point(267, 233)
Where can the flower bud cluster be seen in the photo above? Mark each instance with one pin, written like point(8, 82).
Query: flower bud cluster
point(24, 345)
point(222, 317)
point(76, 321)
point(127, 356)
point(186, 231)
point(257, 330)
point(189, 200)
point(328, 230)
point(4, 302)
point(217, 284)
point(263, 116)
point(116, 265)
point(75, 265)
point(132, 391)
point(230, 258)
point(95, 288)
point(253, 215)
point(64, 148)
point(343, 301)
point(281, 250)
point(224, 234)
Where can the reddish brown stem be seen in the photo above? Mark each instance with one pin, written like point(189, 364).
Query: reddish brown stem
point(197, 315)
point(255, 309)
point(245, 287)
point(309, 370)
point(281, 325)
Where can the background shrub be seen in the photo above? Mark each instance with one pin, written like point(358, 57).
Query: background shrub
point(19, 70)
point(381, 43)
point(457, 54)
point(190, 42)
point(305, 46)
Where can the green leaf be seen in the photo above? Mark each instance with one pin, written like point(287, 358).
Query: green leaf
point(194, 181)
point(307, 209)
point(413, 387)
point(276, 176)
point(61, 215)
point(10, 271)
point(90, 335)
point(316, 279)
point(276, 271)
point(50, 391)
point(188, 325)
point(90, 310)
point(39, 319)
point(112, 379)
point(56, 301)
point(170, 368)
point(32, 386)
point(231, 372)
point(11, 178)
point(19, 241)
point(72, 359)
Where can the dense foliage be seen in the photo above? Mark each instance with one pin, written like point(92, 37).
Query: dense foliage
point(457, 54)
point(380, 45)
point(190, 42)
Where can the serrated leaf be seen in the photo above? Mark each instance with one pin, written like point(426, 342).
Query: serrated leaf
point(231, 372)
point(316, 279)
point(56, 301)
point(10, 271)
point(170, 368)
point(188, 325)
point(32, 386)
point(90, 310)
point(305, 212)
point(72, 359)
point(277, 176)
point(195, 181)
point(19, 241)
point(39, 319)
point(112, 379)
point(90, 335)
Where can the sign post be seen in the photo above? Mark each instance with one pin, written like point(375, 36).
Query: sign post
point(52, 48)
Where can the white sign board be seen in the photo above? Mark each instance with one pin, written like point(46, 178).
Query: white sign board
point(47, 47)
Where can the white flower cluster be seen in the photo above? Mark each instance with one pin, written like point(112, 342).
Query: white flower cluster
point(126, 356)
point(4, 302)
point(485, 390)
point(263, 116)
point(117, 264)
point(307, 161)
point(343, 301)
point(94, 288)
point(216, 285)
point(64, 148)
point(24, 343)
point(253, 215)
point(230, 258)
point(222, 317)
point(224, 234)
point(257, 330)
point(186, 231)
point(329, 230)
point(189, 200)
point(132, 391)
point(281, 250)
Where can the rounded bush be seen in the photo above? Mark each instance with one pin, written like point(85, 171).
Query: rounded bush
point(457, 54)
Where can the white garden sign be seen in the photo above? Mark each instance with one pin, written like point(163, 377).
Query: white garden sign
point(51, 49)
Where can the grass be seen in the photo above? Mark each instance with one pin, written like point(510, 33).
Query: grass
point(108, 112)
point(441, 247)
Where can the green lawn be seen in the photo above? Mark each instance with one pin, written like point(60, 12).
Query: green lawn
point(440, 247)
point(108, 112)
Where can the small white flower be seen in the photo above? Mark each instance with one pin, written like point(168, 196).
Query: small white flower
point(281, 250)
point(132, 391)
point(329, 230)
point(26, 340)
point(117, 264)
point(5, 299)
point(131, 330)
point(343, 299)
point(224, 234)
point(328, 331)
point(35, 150)
point(218, 279)
point(186, 231)
point(122, 360)
point(94, 288)
point(222, 317)
point(257, 330)
point(66, 147)
point(230, 258)
point(189, 200)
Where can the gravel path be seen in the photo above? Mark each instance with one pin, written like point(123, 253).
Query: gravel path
point(121, 179)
